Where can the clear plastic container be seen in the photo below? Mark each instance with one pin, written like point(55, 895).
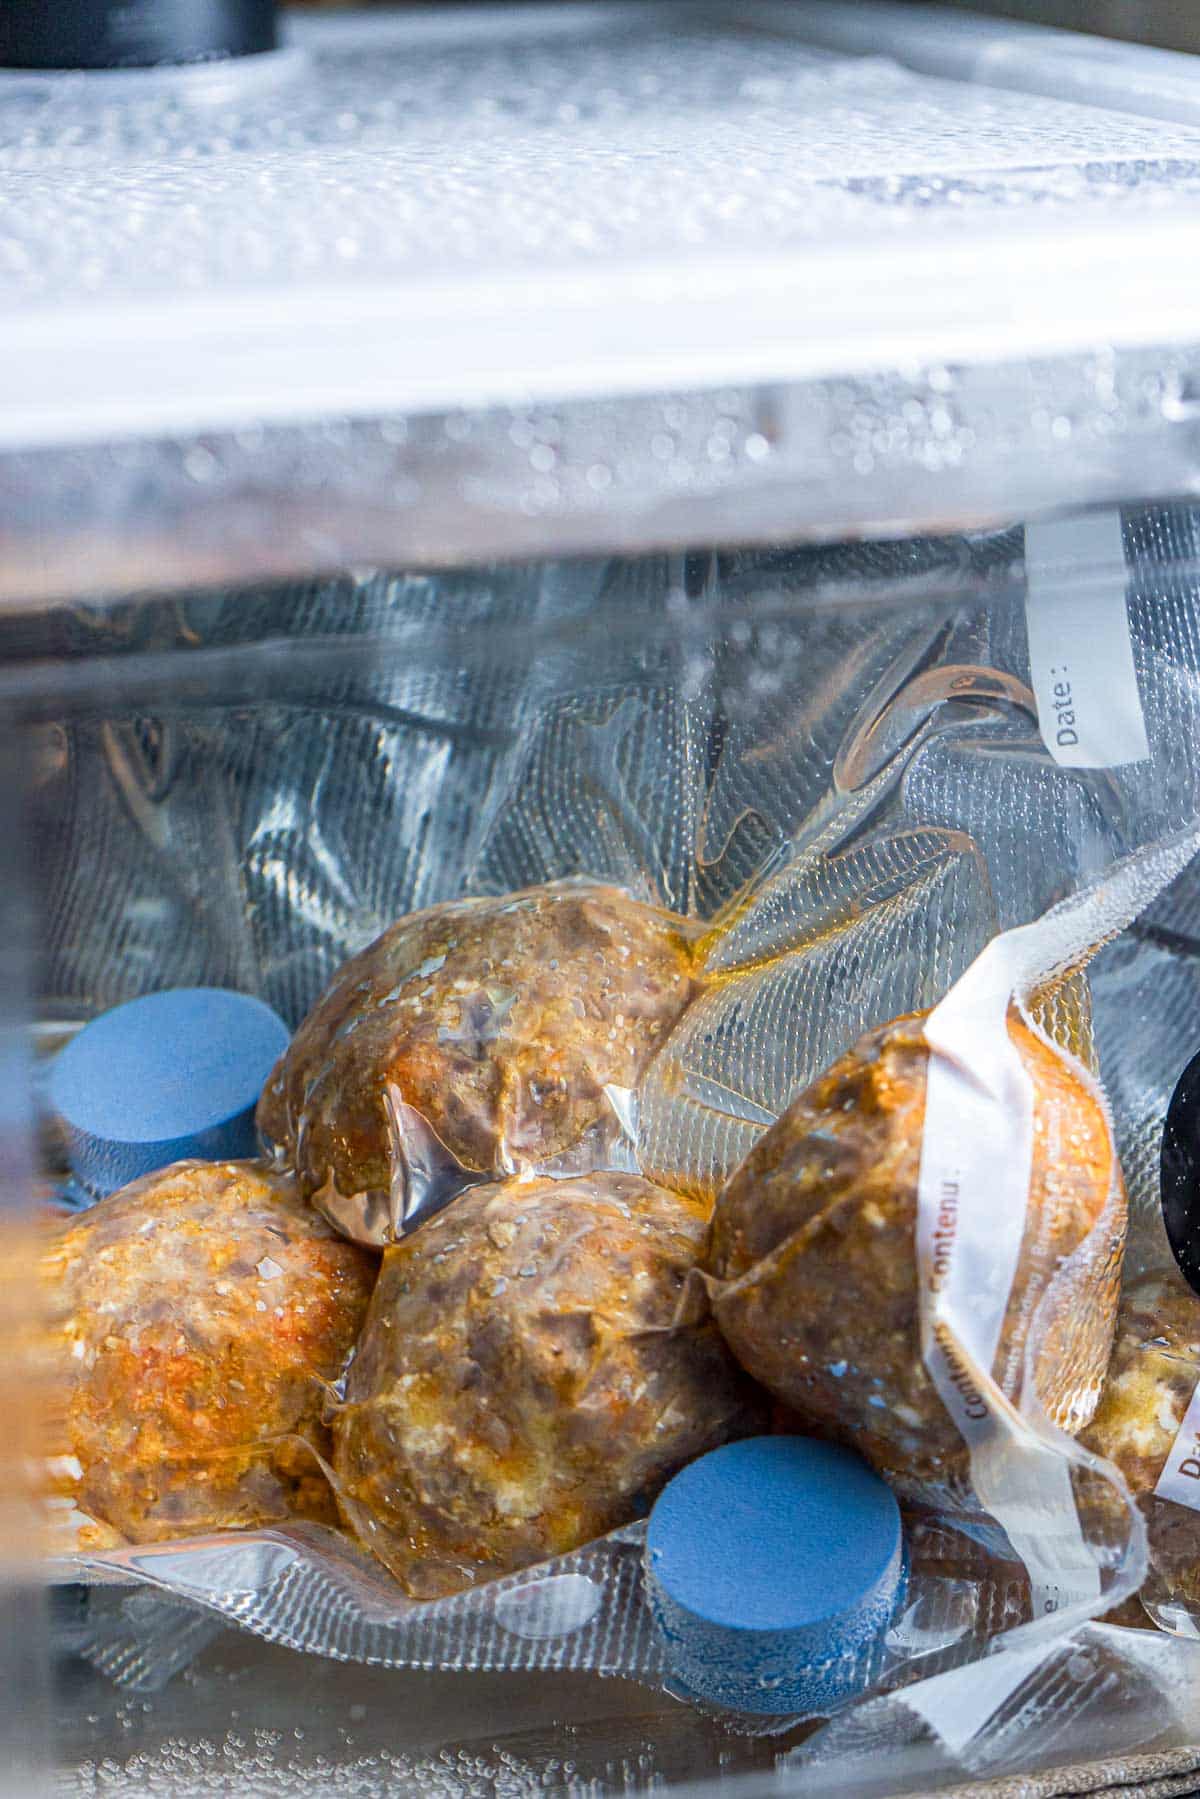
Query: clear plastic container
point(664, 445)
point(477, 282)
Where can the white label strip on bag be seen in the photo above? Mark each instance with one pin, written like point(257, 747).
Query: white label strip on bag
point(1180, 1478)
point(972, 1201)
point(973, 1186)
point(1080, 655)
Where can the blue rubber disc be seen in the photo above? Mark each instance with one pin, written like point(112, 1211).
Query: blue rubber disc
point(169, 1076)
point(773, 1566)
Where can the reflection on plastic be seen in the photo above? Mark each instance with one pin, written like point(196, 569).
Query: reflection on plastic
point(1098, 1690)
point(936, 1619)
point(231, 1566)
point(552, 1607)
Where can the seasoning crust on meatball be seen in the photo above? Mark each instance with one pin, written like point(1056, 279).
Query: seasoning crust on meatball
point(474, 1040)
point(813, 1254)
point(534, 1365)
point(199, 1316)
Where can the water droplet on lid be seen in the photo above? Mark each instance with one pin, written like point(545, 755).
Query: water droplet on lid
point(200, 464)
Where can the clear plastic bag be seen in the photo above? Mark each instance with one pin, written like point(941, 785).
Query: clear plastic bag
point(1148, 1427)
point(527, 1376)
point(923, 1256)
point(199, 1317)
point(845, 798)
point(472, 1042)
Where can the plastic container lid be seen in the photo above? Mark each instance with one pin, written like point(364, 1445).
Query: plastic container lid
point(166, 1077)
point(492, 206)
point(735, 280)
point(772, 1567)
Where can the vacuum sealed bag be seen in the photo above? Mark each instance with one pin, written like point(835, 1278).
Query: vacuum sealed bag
point(740, 1045)
point(820, 1236)
point(201, 1315)
point(1148, 1425)
point(472, 1041)
point(524, 1378)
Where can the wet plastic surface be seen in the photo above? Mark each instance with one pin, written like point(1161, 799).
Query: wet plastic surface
point(261, 1721)
point(513, 246)
point(469, 209)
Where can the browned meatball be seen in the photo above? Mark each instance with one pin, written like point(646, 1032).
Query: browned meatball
point(1153, 1373)
point(472, 1040)
point(534, 1364)
point(200, 1314)
point(813, 1250)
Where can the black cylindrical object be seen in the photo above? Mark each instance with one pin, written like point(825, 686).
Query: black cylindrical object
point(1181, 1174)
point(125, 34)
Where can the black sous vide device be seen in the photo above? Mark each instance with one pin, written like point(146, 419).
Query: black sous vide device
point(131, 34)
point(1181, 1174)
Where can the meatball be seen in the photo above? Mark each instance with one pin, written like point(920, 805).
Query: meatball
point(813, 1254)
point(536, 1362)
point(472, 1041)
point(1152, 1376)
point(200, 1313)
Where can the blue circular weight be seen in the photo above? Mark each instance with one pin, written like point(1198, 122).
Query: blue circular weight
point(772, 1566)
point(170, 1076)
